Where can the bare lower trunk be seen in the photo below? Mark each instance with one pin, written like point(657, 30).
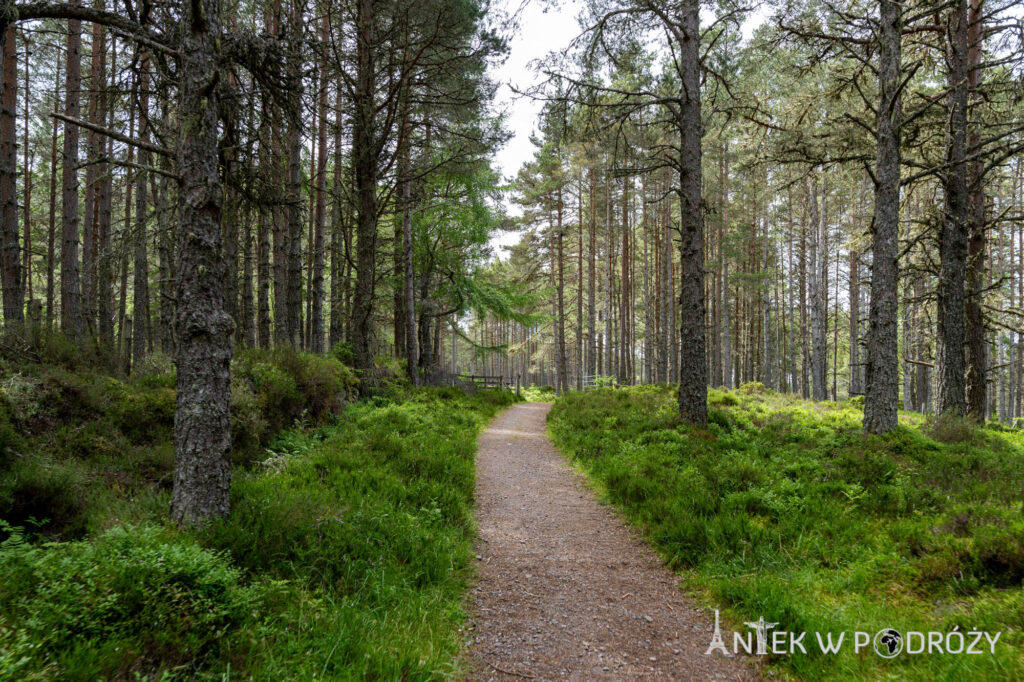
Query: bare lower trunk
point(592, 367)
point(882, 394)
point(202, 422)
point(976, 347)
point(819, 225)
point(855, 387)
point(70, 291)
point(365, 170)
point(10, 250)
point(140, 310)
point(563, 377)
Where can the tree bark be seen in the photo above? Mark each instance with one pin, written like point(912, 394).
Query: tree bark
point(950, 394)
point(51, 235)
point(316, 318)
point(819, 223)
point(71, 297)
point(140, 297)
point(202, 423)
point(14, 304)
point(365, 170)
point(882, 391)
point(693, 389)
point(592, 366)
point(855, 387)
point(563, 377)
point(293, 190)
point(976, 346)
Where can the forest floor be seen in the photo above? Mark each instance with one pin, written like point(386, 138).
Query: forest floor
point(565, 589)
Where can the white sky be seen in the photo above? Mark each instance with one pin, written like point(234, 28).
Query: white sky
point(539, 33)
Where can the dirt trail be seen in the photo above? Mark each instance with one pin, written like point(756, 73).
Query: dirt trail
point(566, 590)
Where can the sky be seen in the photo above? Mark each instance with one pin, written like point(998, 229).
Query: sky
point(539, 33)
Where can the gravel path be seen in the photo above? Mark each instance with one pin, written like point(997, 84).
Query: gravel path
point(566, 590)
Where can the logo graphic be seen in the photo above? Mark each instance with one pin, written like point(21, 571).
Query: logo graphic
point(761, 628)
point(888, 643)
point(716, 639)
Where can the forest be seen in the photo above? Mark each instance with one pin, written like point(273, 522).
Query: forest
point(265, 285)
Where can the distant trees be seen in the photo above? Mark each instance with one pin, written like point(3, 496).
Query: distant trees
point(194, 185)
point(794, 249)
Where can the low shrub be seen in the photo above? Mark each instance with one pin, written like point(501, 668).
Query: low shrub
point(289, 385)
point(132, 599)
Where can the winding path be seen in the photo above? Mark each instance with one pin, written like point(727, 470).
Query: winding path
point(565, 589)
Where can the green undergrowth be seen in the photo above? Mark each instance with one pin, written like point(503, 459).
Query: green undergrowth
point(780, 508)
point(539, 394)
point(345, 556)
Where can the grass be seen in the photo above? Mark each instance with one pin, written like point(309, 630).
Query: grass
point(782, 508)
point(346, 555)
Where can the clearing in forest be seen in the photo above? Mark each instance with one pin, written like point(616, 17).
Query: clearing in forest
point(565, 589)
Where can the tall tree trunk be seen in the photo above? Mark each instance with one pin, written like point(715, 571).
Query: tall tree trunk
point(364, 165)
point(10, 271)
point(819, 260)
point(95, 146)
point(768, 367)
point(563, 377)
point(648, 366)
point(406, 290)
point(140, 297)
point(51, 234)
point(165, 253)
point(726, 330)
point(316, 321)
point(248, 333)
point(337, 266)
point(26, 269)
point(202, 421)
point(592, 366)
point(976, 347)
point(579, 287)
point(908, 332)
point(608, 275)
point(950, 395)
point(625, 377)
point(805, 346)
point(882, 391)
point(104, 293)
point(293, 189)
point(70, 291)
point(855, 387)
point(693, 389)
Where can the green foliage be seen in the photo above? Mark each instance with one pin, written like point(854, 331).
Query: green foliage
point(346, 555)
point(289, 385)
point(539, 394)
point(134, 598)
point(344, 352)
point(782, 508)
